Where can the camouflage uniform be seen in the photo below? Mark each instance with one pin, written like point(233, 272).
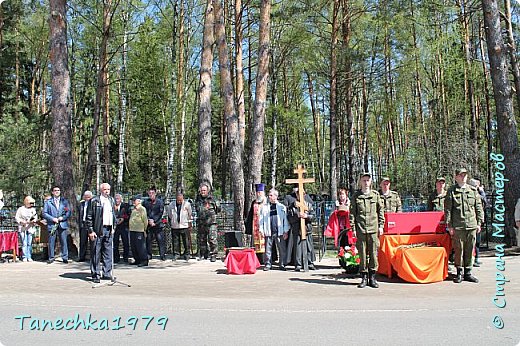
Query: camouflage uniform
point(366, 217)
point(391, 202)
point(207, 209)
point(463, 212)
point(436, 201)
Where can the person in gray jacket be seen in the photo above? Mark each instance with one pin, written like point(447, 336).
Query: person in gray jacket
point(274, 226)
point(180, 217)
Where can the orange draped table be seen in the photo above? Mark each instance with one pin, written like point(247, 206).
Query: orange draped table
point(9, 241)
point(241, 261)
point(415, 264)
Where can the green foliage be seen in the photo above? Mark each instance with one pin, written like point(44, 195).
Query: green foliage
point(23, 165)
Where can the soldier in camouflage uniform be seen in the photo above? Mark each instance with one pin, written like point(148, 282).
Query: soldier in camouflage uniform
point(207, 208)
point(436, 198)
point(464, 215)
point(391, 199)
point(367, 219)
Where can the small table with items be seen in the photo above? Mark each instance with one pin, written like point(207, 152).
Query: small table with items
point(241, 261)
point(9, 241)
point(415, 246)
point(413, 257)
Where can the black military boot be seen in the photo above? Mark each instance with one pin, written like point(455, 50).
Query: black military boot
point(469, 277)
point(363, 282)
point(458, 278)
point(372, 280)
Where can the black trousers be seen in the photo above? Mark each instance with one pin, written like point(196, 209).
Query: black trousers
point(83, 242)
point(178, 236)
point(121, 232)
point(158, 234)
point(138, 244)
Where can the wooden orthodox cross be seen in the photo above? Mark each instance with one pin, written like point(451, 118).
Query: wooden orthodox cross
point(301, 194)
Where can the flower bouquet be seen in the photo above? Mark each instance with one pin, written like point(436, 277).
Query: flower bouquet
point(348, 256)
point(57, 224)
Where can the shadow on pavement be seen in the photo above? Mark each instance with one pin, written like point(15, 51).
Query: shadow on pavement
point(324, 281)
point(77, 276)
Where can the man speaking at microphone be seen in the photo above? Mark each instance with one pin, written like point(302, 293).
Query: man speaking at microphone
point(101, 222)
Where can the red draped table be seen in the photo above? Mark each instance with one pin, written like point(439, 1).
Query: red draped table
point(415, 264)
point(9, 241)
point(241, 261)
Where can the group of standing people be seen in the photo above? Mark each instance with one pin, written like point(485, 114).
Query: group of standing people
point(271, 224)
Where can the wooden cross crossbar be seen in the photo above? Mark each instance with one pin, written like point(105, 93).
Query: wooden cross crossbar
point(302, 207)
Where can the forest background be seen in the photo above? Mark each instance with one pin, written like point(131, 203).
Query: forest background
point(171, 93)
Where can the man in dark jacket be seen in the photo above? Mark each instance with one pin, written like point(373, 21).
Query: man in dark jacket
point(122, 212)
point(82, 222)
point(101, 223)
point(294, 245)
point(155, 209)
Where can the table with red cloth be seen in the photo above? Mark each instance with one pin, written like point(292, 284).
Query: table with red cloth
point(241, 261)
point(9, 241)
point(421, 264)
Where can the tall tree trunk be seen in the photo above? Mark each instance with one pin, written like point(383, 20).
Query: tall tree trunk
point(205, 169)
point(485, 72)
point(180, 101)
point(274, 120)
point(102, 84)
point(239, 72)
point(418, 88)
point(262, 76)
point(469, 91)
point(106, 134)
point(124, 101)
point(316, 123)
point(507, 127)
point(512, 51)
point(173, 103)
point(349, 131)
point(333, 101)
point(233, 131)
point(61, 163)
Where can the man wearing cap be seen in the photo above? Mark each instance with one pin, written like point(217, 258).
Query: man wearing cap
point(253, 220)
point(464, 215)
point(436, 198)
point(391, 199)
point(367, 220)
point(137, 225)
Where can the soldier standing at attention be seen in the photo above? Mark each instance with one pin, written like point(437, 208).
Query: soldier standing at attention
point(436, 199)
point(207, 209)
point(367, 219)
point(464, 215)
point(391, 199)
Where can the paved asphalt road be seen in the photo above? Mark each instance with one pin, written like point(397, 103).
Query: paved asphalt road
point(204, 306)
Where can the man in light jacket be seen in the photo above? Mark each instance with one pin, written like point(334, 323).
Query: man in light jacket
point(274, 226)
point(179, 216)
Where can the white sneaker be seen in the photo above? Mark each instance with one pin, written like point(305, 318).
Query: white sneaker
point(24, 260)
point(30, 260)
